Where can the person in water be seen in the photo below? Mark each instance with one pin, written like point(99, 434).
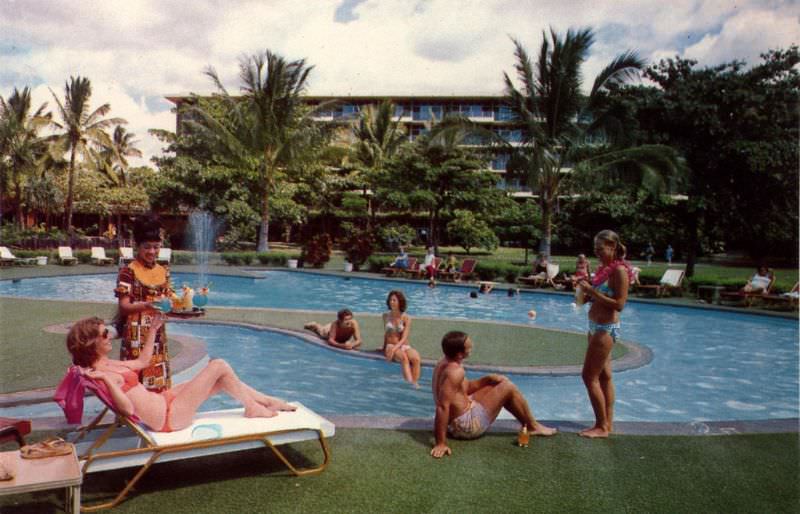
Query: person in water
point(608, 293)
point(397, 329)
point(343, 332)
point(173, 409)
point(466, 408)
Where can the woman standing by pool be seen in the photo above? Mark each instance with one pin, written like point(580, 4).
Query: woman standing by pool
point(139, 284)
point(397, 328)
point(608, 293)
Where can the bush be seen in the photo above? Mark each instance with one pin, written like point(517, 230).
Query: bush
point(492, 270)
point(358, 246)
point(376, 263)
point(395, 235)
point(317, 250)
point(275, 258)
point(238, 258)
point(183, 257)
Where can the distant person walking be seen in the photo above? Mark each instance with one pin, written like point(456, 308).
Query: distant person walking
point(668, 253)
point(649, 252)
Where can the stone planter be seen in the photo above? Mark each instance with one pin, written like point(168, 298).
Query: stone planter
point(348, 266)
point(41, 260)
point(292, 263)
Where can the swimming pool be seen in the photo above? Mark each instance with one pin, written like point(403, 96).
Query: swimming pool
point(707, 365)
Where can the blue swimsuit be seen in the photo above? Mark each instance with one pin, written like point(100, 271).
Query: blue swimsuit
point(613, 328)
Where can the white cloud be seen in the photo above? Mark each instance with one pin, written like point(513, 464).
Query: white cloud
point(136, 51)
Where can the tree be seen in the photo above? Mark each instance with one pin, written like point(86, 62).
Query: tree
point(438, 176)
point(115, 157)
point(83, 130)
point(558, 120)
point(378, 138)
point(267, 126)
point(21, 147)
point(469, 232)
point(738, 128)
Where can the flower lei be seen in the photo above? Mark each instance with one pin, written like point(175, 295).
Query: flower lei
point(603, 273)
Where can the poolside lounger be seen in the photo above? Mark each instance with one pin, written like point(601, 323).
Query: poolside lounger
point(128, 444)
point(412, 268)
point(542, 278)
point(164, 256)
point(6, 257)
point(670, 280)
point(125, 255)
point(99, 256)
point(467, 270)
point(65, 255)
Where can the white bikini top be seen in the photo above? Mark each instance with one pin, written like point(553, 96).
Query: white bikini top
point(391, 327)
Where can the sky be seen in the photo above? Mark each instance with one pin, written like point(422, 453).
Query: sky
point(136, 52)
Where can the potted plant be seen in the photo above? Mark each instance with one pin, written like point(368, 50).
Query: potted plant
point(357, 246)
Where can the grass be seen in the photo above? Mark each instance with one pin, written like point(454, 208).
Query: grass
point(391, 471)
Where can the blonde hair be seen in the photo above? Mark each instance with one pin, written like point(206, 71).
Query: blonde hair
point(81, 341)
point(612, 237)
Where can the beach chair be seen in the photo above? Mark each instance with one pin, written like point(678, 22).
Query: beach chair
point(14, 430)
point(65, 256)
point(466, 271)
point(670, 281)
point(125, 255)
point(127, 443)
point(164, 256)
point(421, 272)
point(8, 258)
point(392, 270)
point(792, 298)
point(542, 278)
point(99, 256)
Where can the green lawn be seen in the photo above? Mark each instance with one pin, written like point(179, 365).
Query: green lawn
point(391, 471)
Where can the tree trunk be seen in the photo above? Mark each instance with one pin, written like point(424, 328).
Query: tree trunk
point(70, 186)
point(691, 251)
point(263, 229)
point(547, 220)
point(18, 192)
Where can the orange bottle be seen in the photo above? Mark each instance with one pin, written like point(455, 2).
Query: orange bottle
point(523, 437)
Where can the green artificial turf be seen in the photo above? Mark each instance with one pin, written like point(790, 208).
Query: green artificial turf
point(391, 471)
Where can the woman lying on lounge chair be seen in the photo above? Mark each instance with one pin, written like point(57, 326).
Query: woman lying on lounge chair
point(173, 409)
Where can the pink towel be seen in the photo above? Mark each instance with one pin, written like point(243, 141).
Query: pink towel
point(71, 390)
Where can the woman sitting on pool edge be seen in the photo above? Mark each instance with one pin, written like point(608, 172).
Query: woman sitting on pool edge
point(397, 328)
point(174, 409)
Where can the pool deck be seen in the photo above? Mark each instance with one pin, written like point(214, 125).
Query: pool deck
point(194, 351)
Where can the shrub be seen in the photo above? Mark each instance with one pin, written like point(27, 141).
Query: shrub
point(358, 246)
point(376, 263)
point(238, 258)
point(183, 257)
point(274, 258)
point(469, 232)
point(492, 270)
point(317, 250)
point(394, 235)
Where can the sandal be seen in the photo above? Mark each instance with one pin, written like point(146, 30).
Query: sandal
point(53, 447)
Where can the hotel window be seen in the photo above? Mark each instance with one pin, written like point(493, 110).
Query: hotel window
point(500, 162)
point(415, 131)
point(346, 111)
point(426, 112)
point(402, 110)
point(504, 113)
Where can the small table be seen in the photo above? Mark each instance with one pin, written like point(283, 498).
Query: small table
point(714, 292)
point(32, 475)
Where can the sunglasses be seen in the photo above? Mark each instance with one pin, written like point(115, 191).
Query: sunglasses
point(104, 334)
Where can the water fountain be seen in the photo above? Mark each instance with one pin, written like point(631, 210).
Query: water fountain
point(201, 235)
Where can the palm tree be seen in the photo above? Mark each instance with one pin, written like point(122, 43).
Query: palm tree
point(378, 137)
point(21, 147)
point(266, 123)
point(83, 131)
point(557, 119)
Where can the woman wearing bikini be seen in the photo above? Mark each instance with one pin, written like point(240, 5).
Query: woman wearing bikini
point(397, 328)
point(608, 293)
point(173, 409)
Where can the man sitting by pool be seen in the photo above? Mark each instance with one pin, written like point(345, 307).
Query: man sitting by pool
point(466, 408)
point(343, 332)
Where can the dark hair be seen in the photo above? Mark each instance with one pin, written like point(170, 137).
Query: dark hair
point(473, 294)
point(342, 314)
point(401, 299)
point(146, 228)
point(612, 237)
point(454, 343)
point(81, 341)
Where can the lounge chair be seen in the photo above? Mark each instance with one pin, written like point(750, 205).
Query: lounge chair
point(466, 271)
point(14, 430)
point(65, 256)
point(421, 272)
point(125, 255)
point(542, 279)
point(99, 256)
point(393, 270)
point(670, 281)
point(792, 297)
point(164, 256)
point(127, 443)
point(8, 258)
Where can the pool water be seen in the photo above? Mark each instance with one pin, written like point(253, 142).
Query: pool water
point(707, 365)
